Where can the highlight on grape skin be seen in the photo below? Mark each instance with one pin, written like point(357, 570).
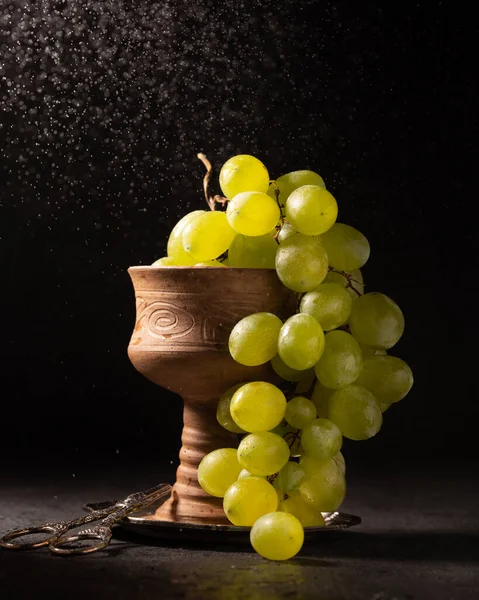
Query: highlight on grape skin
point(328, 374)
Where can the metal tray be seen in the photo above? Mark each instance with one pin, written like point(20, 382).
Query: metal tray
point(142, 523)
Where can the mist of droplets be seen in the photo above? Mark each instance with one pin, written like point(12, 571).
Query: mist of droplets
point(106, 104)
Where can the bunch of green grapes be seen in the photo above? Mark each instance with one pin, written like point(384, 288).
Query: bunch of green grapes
point(288, 469)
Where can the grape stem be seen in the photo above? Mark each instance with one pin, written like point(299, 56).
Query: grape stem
point(293, 436)
point(272, 477)
point(210, 200)
point(349, 278)
point(280, 206)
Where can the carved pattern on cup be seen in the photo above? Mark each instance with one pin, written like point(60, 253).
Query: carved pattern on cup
point(162, 323)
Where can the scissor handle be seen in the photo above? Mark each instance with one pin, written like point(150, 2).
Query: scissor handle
point(53, 528)
point(108, 513)
point(100, 533)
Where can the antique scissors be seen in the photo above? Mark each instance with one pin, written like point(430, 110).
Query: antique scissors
point(99, 534)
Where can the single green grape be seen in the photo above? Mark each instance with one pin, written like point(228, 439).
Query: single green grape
point(301, 262)
point(356, 412)
point(258, 406)
point(243, 173)
point(330, 304)
point(263, 453)
point(253, 252)
point(301, 342)
point(248, 499)
point(207, 235)
point(218, 470)
point(223, 412)
point(339, 460)
point(289, 478)
point(352, 281)
point(324, 485)
point(306, 515)
point(252, 213)
point(289, 374)
point(277, 536)
point(289, 182)
point(166, 261)
point(346, 247)
point(210, 263)
point(320, 398)
point(388, 378)
point(286, 231)
point(299, 412)
point(376, 321)
point(341, 361)
point(175, 241)
point(311, 209)
point(321, 439)
point(254, 340)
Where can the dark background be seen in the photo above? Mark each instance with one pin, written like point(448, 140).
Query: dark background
point(103, 109)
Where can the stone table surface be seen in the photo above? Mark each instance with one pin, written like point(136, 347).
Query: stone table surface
point(419, 539)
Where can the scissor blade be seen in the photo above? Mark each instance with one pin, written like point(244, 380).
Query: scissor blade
point(156, 492)
point(140, 499)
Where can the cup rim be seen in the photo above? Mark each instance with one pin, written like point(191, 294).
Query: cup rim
point(197, 268)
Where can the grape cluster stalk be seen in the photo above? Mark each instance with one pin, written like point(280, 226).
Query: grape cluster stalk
point(332, 354)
